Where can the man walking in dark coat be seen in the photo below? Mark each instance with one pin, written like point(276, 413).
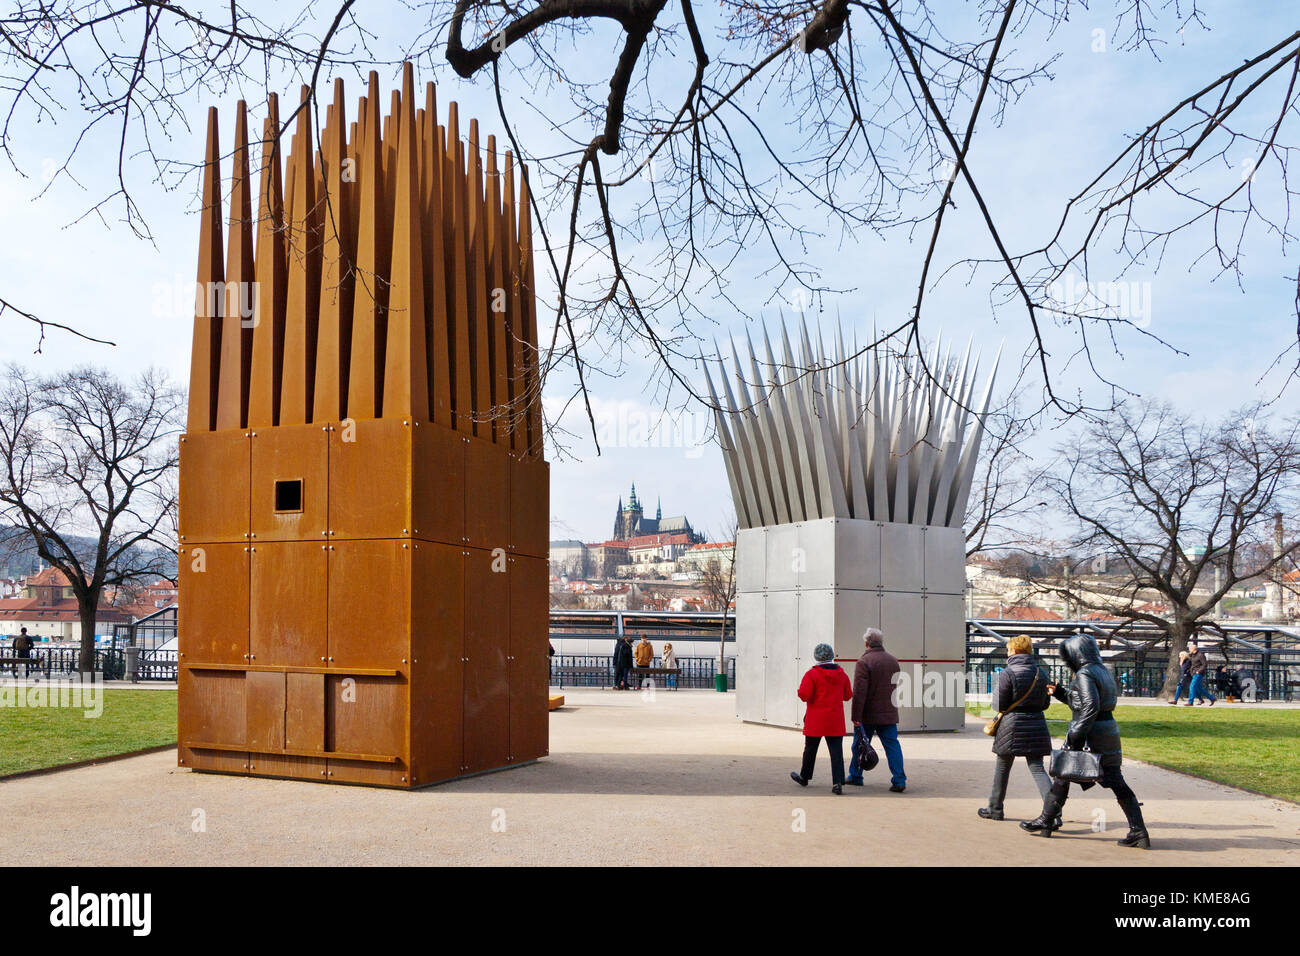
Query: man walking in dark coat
point(1198, 666)
point(23, 650)
point(874, 710)
point(622, 662)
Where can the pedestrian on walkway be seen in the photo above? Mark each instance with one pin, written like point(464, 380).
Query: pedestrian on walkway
point(874, 709)
point(1020, 699)
point(22, 651)
point(1184, 677)
point(622, 661)
point(1199, 665)
point(1091, 699)
point(824, 688)
point(668, 660)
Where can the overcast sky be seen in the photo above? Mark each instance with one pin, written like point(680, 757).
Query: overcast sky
point(97, 276)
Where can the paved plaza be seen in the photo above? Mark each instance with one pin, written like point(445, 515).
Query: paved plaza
point(632, 779)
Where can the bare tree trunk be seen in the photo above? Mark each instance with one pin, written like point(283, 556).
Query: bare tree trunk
point(1179, 627)
point(86, 608)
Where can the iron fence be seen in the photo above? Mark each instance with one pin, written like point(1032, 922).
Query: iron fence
point(1135, 680)
point(597, 670)
point(57, 661)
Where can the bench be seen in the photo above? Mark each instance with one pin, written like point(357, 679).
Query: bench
point(665, 672)
point(589, 672)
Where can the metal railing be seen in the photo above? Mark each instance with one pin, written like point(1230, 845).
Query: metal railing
point(597, 670)
point(57, 661)
point(1132, 680)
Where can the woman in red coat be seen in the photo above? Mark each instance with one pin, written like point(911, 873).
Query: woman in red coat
point(824, 688)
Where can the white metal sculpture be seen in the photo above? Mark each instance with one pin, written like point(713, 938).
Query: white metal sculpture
point(850, 471)
point(856, 434)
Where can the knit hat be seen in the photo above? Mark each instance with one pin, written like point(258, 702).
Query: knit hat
point(823, 653)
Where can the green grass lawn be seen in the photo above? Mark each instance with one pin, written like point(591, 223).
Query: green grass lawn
point(1251, 748)
point(33, 738)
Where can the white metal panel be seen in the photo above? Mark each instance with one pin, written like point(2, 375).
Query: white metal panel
point(943, 696)
point(781, 632)
point(783, 558)
point(751, 654)
point(817, 550)
point(855, 611)
point(857, 554)
point(902, 618)
point(902, 563)
point(751, 559)
point(945, 628)
point(945, 560)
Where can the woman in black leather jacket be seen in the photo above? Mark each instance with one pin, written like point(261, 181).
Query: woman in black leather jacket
point(1092, 698)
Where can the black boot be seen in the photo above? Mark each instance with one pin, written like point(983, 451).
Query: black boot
point(1137, 828)
point(1047, 821)
point(988, 814)
point(1137, 838)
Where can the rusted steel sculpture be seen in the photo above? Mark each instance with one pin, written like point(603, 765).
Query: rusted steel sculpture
point(364, 501)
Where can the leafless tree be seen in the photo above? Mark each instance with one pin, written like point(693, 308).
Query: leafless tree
point(1172, 499)
point(756, 126)
point(1007, 497)
point(718, 585)
point(83, 453)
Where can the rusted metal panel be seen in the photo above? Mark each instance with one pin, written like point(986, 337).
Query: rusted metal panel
point(437, 671)
point(530, 500)
point(213, 609)
point(367, 716)
point(438, 484)
point(304, 712)
point(264, 710)
point(214, 483)
point(290, 483)
point(370, 478)
point(370, 604)
point(210, 710)
point(529, 661)
point(487, 681)
point(288, 598)
point(486, 495)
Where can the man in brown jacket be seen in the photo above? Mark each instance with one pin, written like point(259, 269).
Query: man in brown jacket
point(874, 710)
point(645, 652)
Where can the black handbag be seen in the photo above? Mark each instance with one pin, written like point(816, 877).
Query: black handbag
point(1076, 766)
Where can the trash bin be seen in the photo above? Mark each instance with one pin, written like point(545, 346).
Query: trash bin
point(720, 683)
point(132, 667)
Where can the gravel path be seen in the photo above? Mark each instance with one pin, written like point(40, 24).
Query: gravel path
point(671, 780)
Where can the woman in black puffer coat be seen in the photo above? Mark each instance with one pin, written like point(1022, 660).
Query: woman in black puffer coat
point(1092, 697)
point(1023, 731)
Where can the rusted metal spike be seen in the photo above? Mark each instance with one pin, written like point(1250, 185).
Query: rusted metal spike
point(272, 288)
point(238, 310)
point(370, 293)
point(302, 313)
point(205, 350)
point(406, 390)
point(335, 332)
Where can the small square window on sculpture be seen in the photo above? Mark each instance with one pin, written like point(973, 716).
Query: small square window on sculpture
point(288, 495)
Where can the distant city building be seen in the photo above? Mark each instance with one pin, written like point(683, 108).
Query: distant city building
point(569, 558)
point(48, 609)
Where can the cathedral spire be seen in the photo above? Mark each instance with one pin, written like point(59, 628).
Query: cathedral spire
point(659, 511)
